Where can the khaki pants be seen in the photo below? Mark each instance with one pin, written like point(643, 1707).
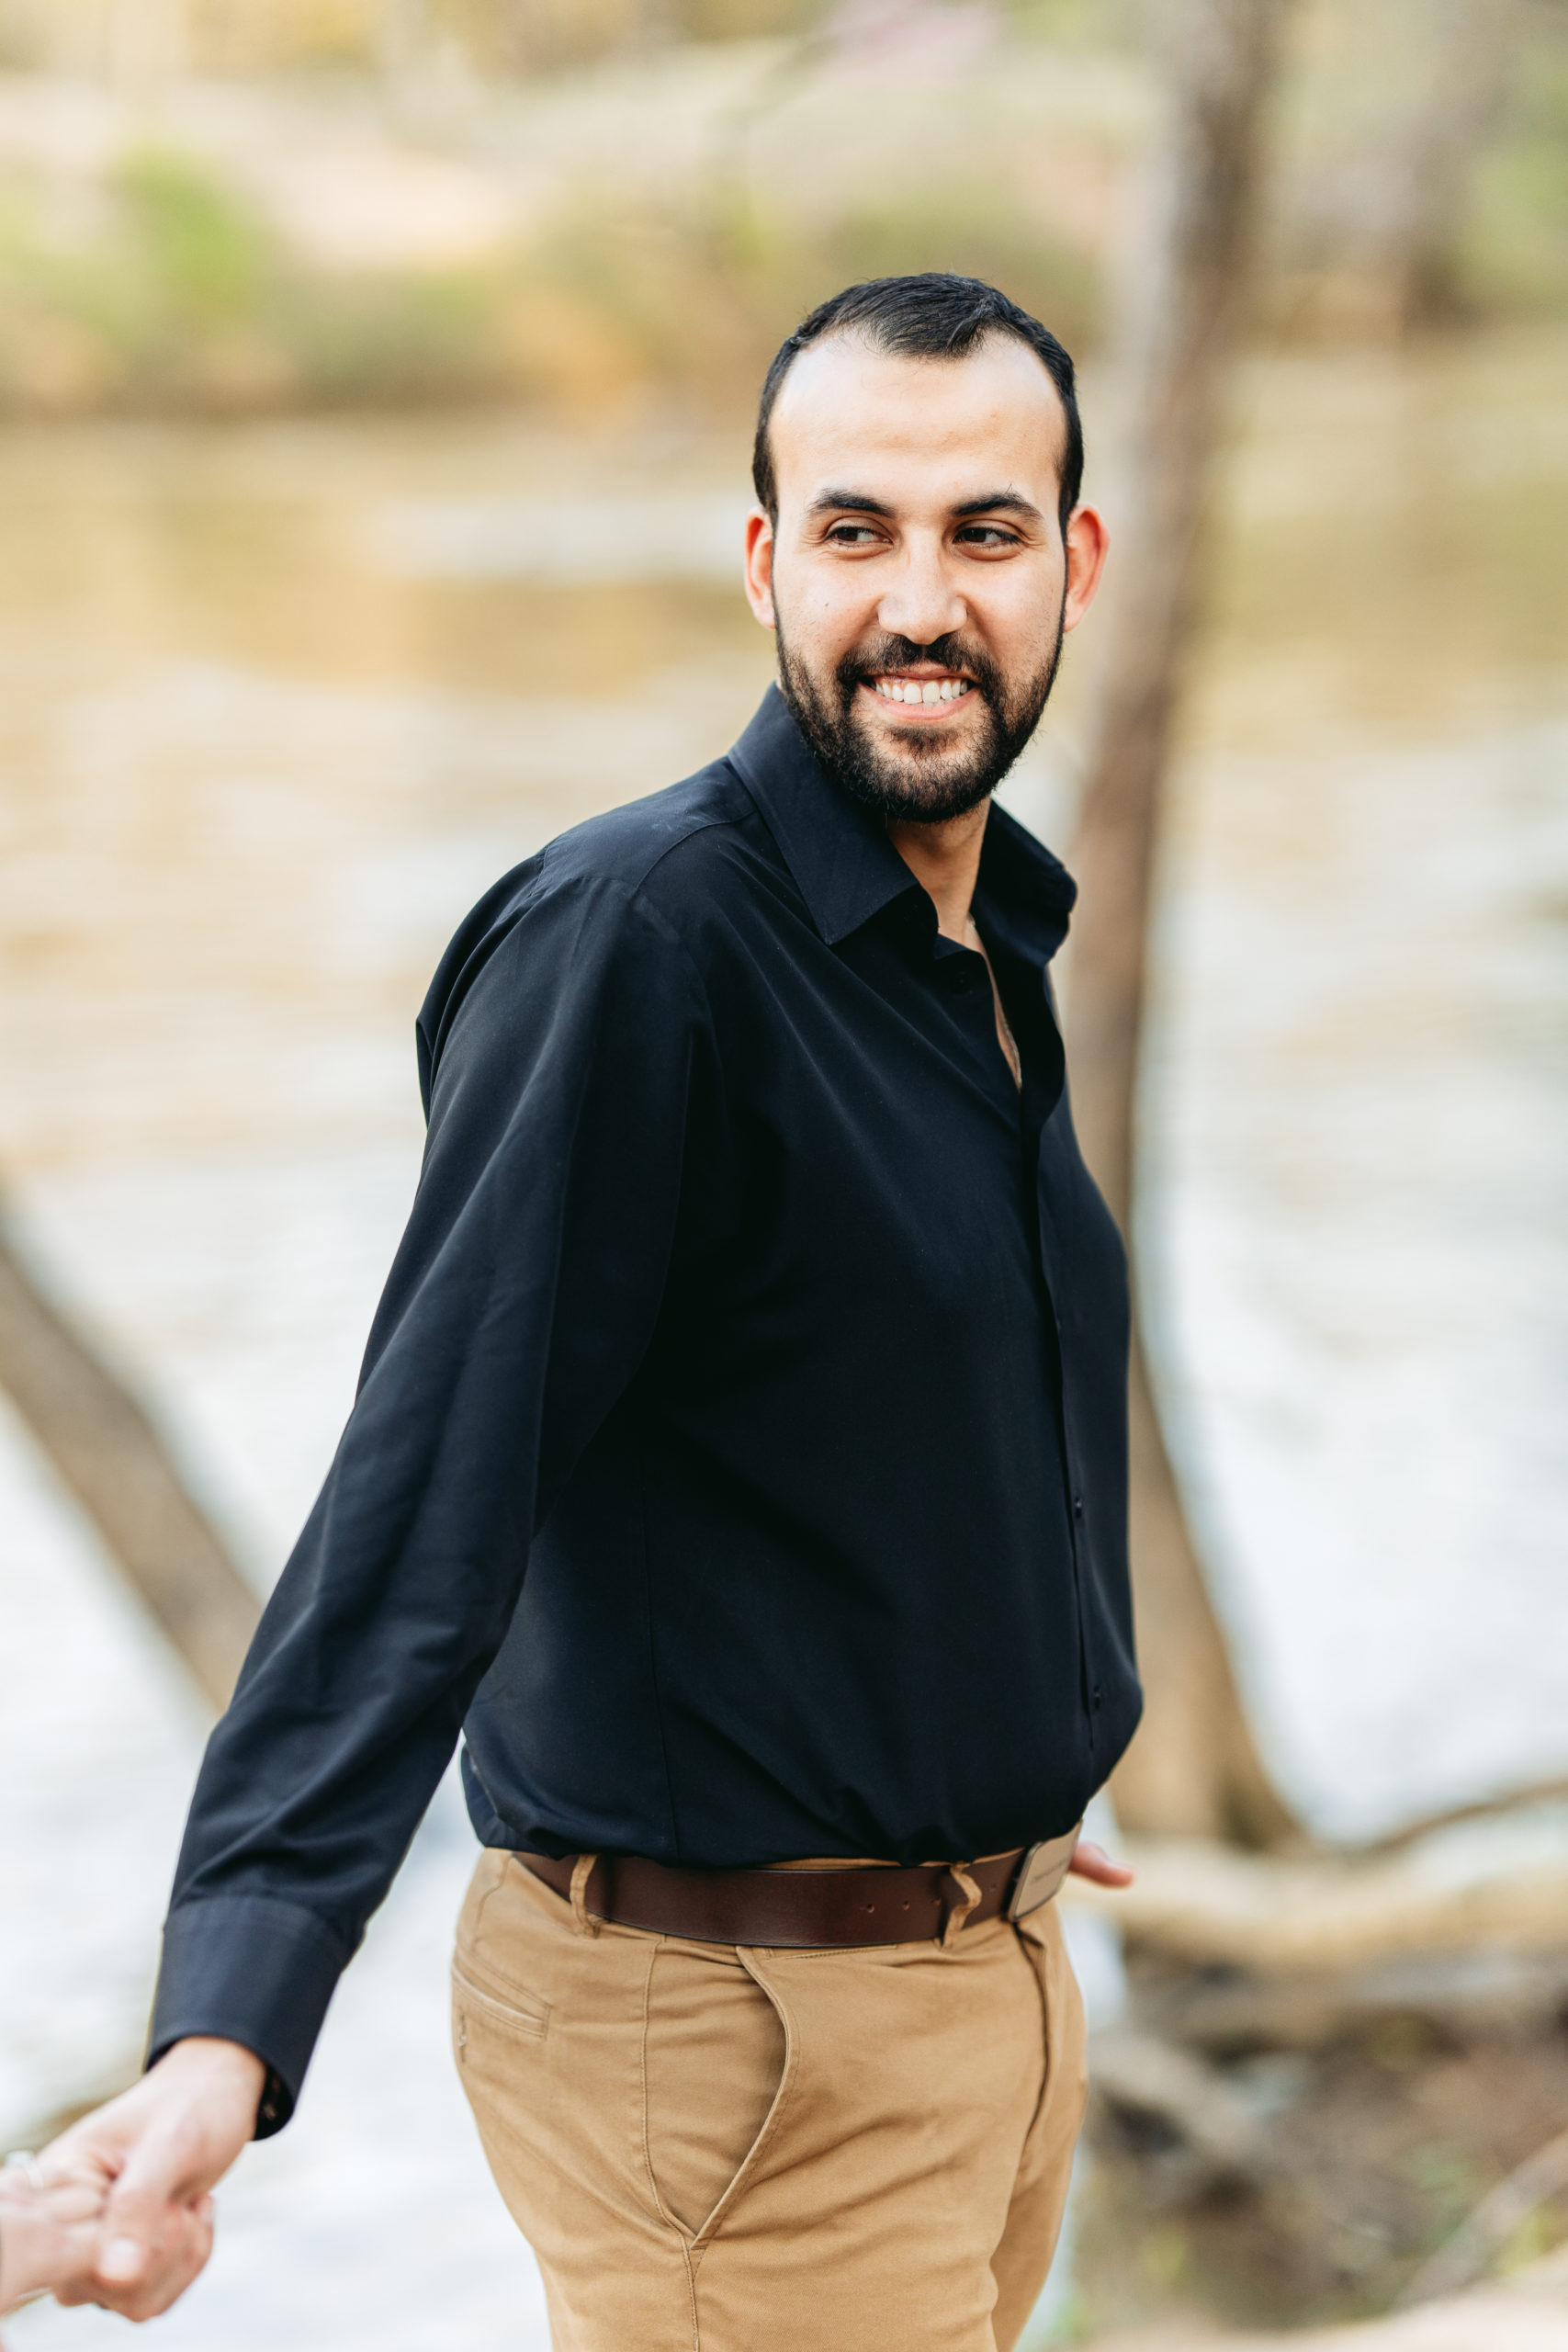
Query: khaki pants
point(714, 2149)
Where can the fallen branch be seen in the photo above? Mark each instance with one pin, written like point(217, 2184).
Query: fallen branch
point(1493, 1808)
point(1230, 2012)
point(1535, 2182)
point(1210, 1905)
point(1208, 2138)
point(111, 1455)
point(1526, 2313)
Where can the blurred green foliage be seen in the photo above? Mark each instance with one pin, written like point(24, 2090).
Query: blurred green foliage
point(1512, 249)
point(188, 299)
point(163, 285)
point(698, 298)
point(972, 228)
point(190, 260)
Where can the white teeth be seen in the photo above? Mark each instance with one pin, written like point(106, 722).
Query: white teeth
point(926, 691)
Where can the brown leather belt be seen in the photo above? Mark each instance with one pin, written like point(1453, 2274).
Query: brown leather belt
point(810, 1909)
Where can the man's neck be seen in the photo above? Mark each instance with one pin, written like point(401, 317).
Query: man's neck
point(945, 860)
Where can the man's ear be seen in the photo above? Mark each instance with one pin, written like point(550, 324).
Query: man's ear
point(760, 565)
point(1086, 544)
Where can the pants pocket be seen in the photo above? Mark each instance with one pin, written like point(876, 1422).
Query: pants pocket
point(717, 2060)
point(522, 2015)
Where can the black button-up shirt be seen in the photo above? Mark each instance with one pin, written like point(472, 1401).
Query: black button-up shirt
point(739, 1462)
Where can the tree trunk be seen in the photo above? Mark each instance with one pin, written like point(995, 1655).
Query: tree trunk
point(1193, 1770)
point(113, 1459)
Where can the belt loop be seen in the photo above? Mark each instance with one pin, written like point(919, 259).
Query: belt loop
point(581, 1871)
point(958, 1912)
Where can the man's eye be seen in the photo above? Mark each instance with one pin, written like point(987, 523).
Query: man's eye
point(987, 535)
point(850, 534)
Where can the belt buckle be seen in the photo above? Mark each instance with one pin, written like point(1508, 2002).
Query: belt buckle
point(1041, 1872)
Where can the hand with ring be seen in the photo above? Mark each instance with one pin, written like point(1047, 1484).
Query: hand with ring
point(49, 2230)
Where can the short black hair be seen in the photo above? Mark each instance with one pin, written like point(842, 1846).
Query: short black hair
point(936, 315)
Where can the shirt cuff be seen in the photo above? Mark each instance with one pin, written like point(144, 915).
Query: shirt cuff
point(250, 1968)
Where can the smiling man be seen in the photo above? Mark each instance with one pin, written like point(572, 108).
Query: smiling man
point(738, 1466)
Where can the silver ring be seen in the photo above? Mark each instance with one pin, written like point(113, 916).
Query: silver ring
point(23, 2160)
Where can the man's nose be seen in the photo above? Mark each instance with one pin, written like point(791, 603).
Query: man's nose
point(922, 604)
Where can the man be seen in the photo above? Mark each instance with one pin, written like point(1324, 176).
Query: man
point(739, 1464)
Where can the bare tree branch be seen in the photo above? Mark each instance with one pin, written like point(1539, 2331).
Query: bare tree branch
point(111, 1455)
point(1539, 2180)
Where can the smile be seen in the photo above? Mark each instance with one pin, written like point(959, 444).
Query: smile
point(924, 691)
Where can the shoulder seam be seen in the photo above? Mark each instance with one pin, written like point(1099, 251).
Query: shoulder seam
point(705, 823)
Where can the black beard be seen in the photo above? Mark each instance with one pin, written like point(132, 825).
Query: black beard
point(952, 782)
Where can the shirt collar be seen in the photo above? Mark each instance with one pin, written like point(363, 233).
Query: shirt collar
point(1025, 892)
point(844, 866)
point(843, 863)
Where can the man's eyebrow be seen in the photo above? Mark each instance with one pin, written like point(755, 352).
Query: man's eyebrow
point(1000, 502)
point(850, 502)
point(860, 502)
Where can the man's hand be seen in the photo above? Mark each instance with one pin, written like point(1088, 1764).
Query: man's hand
point(1093, 1862)
point(156, 2152)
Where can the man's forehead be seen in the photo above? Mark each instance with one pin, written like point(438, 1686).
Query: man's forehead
point(847, 405)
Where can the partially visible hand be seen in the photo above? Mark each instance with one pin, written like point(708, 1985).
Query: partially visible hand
point(49, 2235)
point(1093, 1862)
point(154, 2153)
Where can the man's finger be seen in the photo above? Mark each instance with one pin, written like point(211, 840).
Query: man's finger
point(122, 2262)
point(156, 2152)
point(91, 2150)
point(141, 2275)
point(1093, 1862)
point(184, 2247)
point(182, 2254)
point(148, 2204)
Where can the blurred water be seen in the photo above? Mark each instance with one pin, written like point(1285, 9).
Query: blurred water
point(278, 702)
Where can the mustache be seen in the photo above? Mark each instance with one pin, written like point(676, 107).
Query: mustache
point(874, 655)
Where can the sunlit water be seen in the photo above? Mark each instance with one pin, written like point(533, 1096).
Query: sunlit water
point(279, 702)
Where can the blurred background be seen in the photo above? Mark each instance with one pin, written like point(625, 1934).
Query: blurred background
point(376, 380)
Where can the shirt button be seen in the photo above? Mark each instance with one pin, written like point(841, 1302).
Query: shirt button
point(1077, 1506)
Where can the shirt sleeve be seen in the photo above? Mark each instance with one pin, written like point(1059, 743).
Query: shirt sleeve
point(558, 1049)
